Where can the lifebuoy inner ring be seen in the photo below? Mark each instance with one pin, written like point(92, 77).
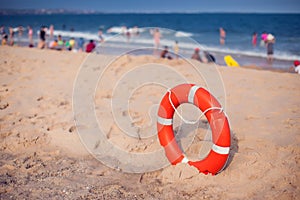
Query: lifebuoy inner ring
point(198, 96)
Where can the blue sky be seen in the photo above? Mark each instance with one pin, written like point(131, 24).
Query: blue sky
point(278, 6)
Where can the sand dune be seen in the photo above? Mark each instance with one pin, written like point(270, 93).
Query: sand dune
point(42, 156)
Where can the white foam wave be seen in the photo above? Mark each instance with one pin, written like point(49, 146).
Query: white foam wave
point(183, 34)
point(123, 30)
point(75, 34)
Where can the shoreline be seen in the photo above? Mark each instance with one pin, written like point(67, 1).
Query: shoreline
point(250, 62)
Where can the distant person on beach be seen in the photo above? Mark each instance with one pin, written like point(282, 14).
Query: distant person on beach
point(128, 35)
point(90, 46)
point(2, 30)
point(254, 39)
point(80, 44)
point(51, 31)
point(4, 36)
point(263, 39)
point(135, 31)
point(11, 36)
point(156, 37)
point(4, 39)
point(165, 53)
point(296, 67)
point(67, 45)
point(176, 49)
point(270, 47)
point(123, 30)
point(30, 35)
point(20, 33)
point(42, 42)
point(53, 44)
point(100, 35)
point(222, 36)
point(196, 55)
point(60, 41)
point(209, 58)
point(72, 43)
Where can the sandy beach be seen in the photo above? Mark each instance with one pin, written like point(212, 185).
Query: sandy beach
point(42, 156)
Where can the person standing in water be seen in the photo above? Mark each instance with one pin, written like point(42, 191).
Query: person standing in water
point(11, 36)
point(100, 35)
point(30, 34)
point(270, 47)
point(254, 39)
point(51, 31)
point(20, 34)
point(156, 38)
point(222, 36)
point(263, 38)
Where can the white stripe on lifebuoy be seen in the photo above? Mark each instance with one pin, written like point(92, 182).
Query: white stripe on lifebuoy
point(192, 93)
point(220, 150)
point(164, 121)
point(185, 160)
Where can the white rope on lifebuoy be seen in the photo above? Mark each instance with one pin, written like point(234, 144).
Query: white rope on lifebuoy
point(203, 113)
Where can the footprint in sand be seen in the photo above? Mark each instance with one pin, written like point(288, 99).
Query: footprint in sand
point(252, 157)
point(72, 129)
point(4, 106)
point(40, 98)
point(63, 103)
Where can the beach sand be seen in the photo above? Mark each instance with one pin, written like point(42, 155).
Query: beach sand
point(42, 156)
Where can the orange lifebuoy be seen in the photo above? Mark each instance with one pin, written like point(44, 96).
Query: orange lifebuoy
point(190, 93)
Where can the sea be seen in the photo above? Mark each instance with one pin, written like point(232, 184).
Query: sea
point(189, 30)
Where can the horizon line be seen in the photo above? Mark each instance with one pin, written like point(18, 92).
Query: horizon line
point(89, 11)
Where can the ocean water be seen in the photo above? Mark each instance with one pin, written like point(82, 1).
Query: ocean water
point(203, 28)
